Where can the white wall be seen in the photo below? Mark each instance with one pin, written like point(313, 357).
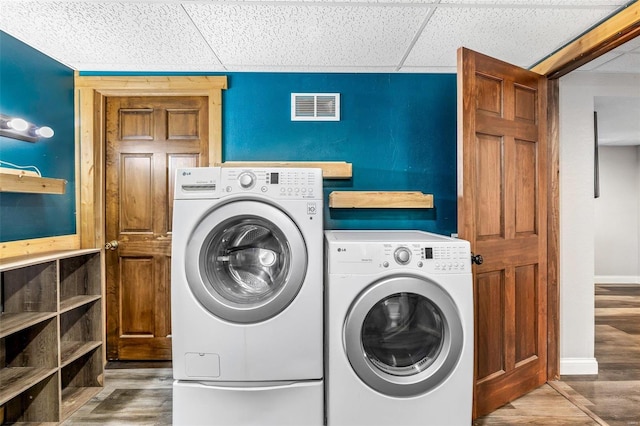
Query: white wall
point(617, 216)
point(577, 212)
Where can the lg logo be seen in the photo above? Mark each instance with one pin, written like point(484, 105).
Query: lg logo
point(185, 173)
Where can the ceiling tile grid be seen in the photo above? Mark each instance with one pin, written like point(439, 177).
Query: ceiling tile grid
point(521, 36)
point(297, 35)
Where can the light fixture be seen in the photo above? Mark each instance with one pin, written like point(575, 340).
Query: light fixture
point(17, 128)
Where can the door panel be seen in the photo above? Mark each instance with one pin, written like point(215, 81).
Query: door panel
point(489, 181)
point(148, 138)
point(502, 212)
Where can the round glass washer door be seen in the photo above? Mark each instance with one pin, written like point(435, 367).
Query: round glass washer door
point(403, 336)
point(246, 261)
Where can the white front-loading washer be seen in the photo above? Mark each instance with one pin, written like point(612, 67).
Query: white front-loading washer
point(399, 329)
point(246, 296)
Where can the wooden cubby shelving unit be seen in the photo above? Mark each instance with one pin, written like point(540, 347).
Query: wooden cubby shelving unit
point(380, 200)
point(51, 334)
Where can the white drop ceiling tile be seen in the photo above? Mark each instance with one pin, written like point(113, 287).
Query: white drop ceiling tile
point(516, 35)
point(307, 35)
point(629, 62)
point(508, 3)
point(135, 35)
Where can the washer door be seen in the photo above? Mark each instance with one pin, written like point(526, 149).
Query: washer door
point(403, 336)
point(245, 261)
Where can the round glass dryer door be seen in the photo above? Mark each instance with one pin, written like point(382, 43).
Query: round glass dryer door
point(246, 261)
point(403, 336)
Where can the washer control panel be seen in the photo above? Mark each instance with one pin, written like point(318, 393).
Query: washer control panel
point(278, 183)
point(281, 183)
point(435, 257)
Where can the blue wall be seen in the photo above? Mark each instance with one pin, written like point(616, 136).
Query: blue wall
point(398, 131)
point(40, 90)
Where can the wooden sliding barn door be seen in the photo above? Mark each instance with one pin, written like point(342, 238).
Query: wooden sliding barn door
point(147, 139)
point(502, 211)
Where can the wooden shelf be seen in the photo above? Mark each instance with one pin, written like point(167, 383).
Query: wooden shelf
point(15, 380)
point(330, 169)
point(70, 351)
point(13, 322)
point(77, 301)
point(10, 182)
point(380, 200)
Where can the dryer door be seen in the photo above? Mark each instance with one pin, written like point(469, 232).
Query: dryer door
point(403, 335)
point(245, 261)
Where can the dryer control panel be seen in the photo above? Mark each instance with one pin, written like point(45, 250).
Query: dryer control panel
point(357, 256)
point(278, 183)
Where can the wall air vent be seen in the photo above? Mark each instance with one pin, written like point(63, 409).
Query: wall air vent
point(315, 107)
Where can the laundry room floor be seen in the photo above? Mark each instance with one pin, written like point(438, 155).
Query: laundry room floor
point(142, 396)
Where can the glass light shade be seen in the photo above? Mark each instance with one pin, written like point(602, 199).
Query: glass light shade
point(18, 124)
point(44, 132)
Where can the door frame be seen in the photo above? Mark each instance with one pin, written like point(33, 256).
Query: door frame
point(90, 100)
point(90, 104)
point(611, 33)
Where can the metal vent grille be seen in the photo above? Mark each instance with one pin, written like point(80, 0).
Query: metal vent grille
point(315, 106)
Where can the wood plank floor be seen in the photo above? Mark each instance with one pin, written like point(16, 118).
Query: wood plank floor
point(142, 396)
point(614, 395)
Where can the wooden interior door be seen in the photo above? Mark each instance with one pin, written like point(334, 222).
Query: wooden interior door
point(502, 211)
point(147, 138)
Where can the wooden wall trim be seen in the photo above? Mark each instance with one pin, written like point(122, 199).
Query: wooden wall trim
point(39, 245)
point(192, 85)
point(618, 29)
point(90, 101)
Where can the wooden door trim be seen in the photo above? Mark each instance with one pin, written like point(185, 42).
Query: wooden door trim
point(90, 101)
point(611, 33)
point(553, 229)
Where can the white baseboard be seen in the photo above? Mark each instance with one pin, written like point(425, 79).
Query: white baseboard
point(578, 366)
point(617, 279)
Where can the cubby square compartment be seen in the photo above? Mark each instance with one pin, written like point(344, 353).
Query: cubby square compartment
point(80, 331)
point(80, 280)
point(81, 380)
point(27, 357)
point(30, 289)
point(39, 403)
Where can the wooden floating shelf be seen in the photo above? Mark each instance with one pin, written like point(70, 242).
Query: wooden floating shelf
point(380, 200)
point(10, 182)
point(330, 169)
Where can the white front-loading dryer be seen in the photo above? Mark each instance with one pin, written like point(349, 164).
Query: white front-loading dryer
point(246, 295)
point(399, 329)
